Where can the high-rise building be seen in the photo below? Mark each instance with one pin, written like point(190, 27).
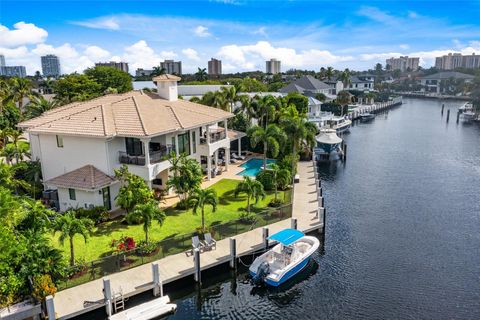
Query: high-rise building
point(13, 71)
point(214, 67)
point(50, 66)
point(123, 66)
point(2, 60)
point(143, 72)
point(457, 60)
point(273, 66)
point(403, 63)
point(172, 67)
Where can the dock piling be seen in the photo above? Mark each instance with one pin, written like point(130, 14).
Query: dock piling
point(443, 107)
point(320, 192)
point(344, 152)
point(294, 223)
point(196, 260)
point(458, 116)
point(107, 294)
point(448, 115)
point(265, 237)
point(233, 253)
point(50, 307)
point(322, 201)
point(157, 283)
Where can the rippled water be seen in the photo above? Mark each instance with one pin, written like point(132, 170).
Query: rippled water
point(402, 238)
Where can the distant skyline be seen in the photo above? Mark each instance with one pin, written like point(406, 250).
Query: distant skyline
point(243, 34)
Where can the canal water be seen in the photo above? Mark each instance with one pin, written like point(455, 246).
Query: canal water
point(402, 236)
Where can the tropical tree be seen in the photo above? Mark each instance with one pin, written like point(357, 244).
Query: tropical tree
point(280, 177)
point(271, 138)
point(200, 198)
point(230, 94)
point(20, 150)
point(108, 77)
point(158, 71)
point(252, 188)
point(343, 98)
point(299, 131)
point(187, 177)
point(76, 87)
point(266, 107)
point(329, 73)
point(37, 217)
point(133, 191)
point(345, 77)
point(20, 88)
point(147, 213)
point(38, 105)
point(201, 74)
point(68, 225)
point(220, 101)
point(246, 107)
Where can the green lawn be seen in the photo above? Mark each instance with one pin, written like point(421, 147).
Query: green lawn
point(178, 222)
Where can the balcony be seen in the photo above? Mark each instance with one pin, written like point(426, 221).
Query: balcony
point(215, 135)
point(156, 156)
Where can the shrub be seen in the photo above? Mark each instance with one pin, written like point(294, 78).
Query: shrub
point(43, 286)
point(79, 267)
point(248, 217)
point(97, 214)
point(275, 203)
point(182, 205)
point(265, 178)
point(123, 244)
point(146, 248)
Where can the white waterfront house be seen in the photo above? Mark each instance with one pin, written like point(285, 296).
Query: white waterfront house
point(80, 144)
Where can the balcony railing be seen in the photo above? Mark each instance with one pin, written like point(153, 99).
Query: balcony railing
point(155, 156)
point(214, 137)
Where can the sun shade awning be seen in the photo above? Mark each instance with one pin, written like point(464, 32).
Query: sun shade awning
point(287, 236)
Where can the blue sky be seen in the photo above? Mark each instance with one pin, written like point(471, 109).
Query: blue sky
point(302, 34)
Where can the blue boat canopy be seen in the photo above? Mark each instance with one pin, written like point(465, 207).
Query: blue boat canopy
point(287, 236)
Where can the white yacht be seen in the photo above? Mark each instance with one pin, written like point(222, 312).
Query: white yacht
point(339, 124)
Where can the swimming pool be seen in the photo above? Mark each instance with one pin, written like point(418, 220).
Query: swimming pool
point(254, 166)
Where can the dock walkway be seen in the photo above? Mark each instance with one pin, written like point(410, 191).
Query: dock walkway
point(89, 296)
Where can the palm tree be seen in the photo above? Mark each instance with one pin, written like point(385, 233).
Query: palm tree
point(201, 74)
point(345, 77)
point(246, 106)
point(279, 177)
point(37, 218)
point(230, 94)
point(147, 213)
point(69, 226)
point(20, 88)
point(252, 188)
point(16, 138)
point(343, 98)
point(271, 138)
point(202, 197)
point(175, 161)
point(220, 101)
point(158, 71)
point(299, 131)
point(329, 73)
point(266, 108)
point(39, 105)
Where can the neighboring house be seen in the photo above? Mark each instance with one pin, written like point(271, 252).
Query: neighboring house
point(308, 86)
point(435, 82)
point(362, 83)
point(81, 144)
point(335, 85)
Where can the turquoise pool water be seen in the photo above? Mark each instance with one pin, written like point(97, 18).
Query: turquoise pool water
point(253, 166)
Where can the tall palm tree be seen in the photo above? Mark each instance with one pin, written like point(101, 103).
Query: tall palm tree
point(201, 74)
point(201, 198)
point(343, 98)
point(271, 138)
point(266, 108)
point(20, 88)
point(329, 73)
point(68, 225)
point(158, 71)
point(16, 139)
point(279, 177)
point(230, 94)
point(147, 213)
point(252, 188)
point(246, 106)
point(39, 105)
point(299, 131)
point(345, 77)
point(220, 101)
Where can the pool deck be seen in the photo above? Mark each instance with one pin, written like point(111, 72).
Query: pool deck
point(70, 302)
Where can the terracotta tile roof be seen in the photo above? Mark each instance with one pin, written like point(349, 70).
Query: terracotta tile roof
point(133, 113)
point(166, 77)
point(86, 178)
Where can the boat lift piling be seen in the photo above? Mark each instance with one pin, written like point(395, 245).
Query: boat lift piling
point(107, 293)
point(458, 116)
point(233, 253)
point(265, 237)
point(443, 107)
point(448, 115)
point(50, 307)
point(344, 151)
point(157, 282)
point(196, 260)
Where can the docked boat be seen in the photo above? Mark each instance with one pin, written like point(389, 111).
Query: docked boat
point(339, 124)
point(284, 260)
point(328, 146)
point(365, 117)
point(467, 116)
point(146, 311)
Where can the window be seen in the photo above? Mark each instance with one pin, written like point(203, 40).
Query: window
point(71, 193)
point(194, 141)
point(184, 143)
point(134, 146)
point(174, 144)
point(59, 141)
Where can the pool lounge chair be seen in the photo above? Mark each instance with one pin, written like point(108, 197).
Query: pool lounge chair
point(235, 156)
point(197, 244)
point(210, 243)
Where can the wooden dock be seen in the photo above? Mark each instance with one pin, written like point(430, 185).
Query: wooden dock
point(89, 296)
point(375, 108)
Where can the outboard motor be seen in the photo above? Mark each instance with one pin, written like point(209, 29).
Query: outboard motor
point(262, 272)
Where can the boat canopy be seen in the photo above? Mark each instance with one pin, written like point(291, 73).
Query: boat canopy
point(328, 136)
point(287, 236)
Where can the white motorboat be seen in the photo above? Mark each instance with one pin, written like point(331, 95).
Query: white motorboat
point(148, 310)
point(467, 116)
point(365, 117)
point(339, 124)
point(285, 259)
point(328, 146)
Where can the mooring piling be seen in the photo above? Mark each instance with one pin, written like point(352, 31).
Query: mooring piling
point(233, 253)
point(294, 223)
point(448, 115)
point(196, 260)
point(458, 116)
point(50, 307)
point(443, 107)
point(265, 237)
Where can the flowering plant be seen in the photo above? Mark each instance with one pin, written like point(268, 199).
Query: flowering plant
point(123, 244)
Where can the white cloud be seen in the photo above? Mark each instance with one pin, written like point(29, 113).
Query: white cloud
point(96, 53)
point(201, 31)
point(249, 57)
point(107, 23)
point(168, 54)
point(22, 34)
point(404, 46)
point(191, 54)
point(262, 31)
point(140, 55)
point(376, 14)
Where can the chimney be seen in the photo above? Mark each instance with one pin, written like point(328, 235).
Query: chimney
point(167, 86)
